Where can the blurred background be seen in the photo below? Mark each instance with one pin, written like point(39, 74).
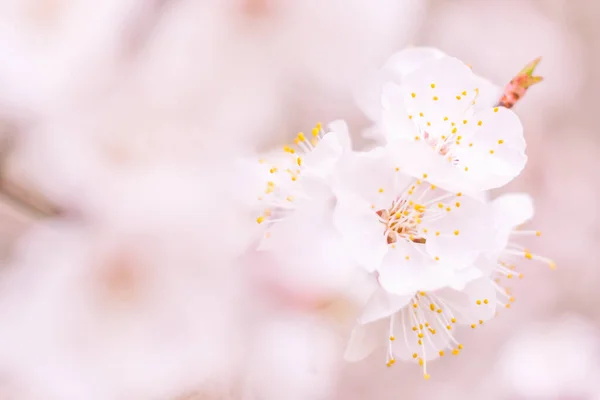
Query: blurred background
point(108, 110)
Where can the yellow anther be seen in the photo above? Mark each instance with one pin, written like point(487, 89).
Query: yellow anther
point(421, 336)
point(435, 98)
point(441, 353)
point(470, 144)
point(420, 342)
point(437, 258)
point(552, 265)
point(415, 355)
point(473, 326)
point(528, 255)
point(500, 141)
point(485, 301)
point(425, 230)
point(433, 85)
point(410, 117)
point(538, 233)
point(464, 93)
point(422, 294)
point(417, 138)
point(480, 322)
point(397, 215)
point(397, 169)
point(290, 198)
point(407, 258)
point(260, 219)
point(432, 187)
point(449, 327)
point(273, 170)
point(426, 376)
point(456, 232)
point(294, 178)
point(465, 121)
point(432, 307)
point(380, 190)
point(457, 204)
point(414, 328)
point(420, 359)
point(491, 151)
point(421, 114)
point(413, 95)
point(496, 109)
point(453, 320)
point(455, 352)
point(511, 299)
point(425, 176)
point(299, 161)
point(507, 306)
point(458, 194)
point(460, 346)
point(458, 97)
point(448, 209)
point(454, 130)
point(437, 233)
point(440, 205)
point(478, 302)
point(392, 338)
point(439, 310)
point(480, 123)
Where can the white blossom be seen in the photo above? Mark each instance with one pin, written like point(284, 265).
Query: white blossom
point(437, 110)
point(394, 223)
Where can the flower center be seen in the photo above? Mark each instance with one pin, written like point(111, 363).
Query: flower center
point(402, 221)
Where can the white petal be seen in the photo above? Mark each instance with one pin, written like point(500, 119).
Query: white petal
point(403, 276)
point(438, 93)
point(364, 339)
point(464, 304)
point(463, 233)
point(406, 61)
point(340, 128)
point(513, 209)
point(509, 211)
point(368, 95)
point(418, 159)
point(323, 158)
point(395, 122)
point(382, 304)
point(361, 230)
point(370, 175)
point(492, 147)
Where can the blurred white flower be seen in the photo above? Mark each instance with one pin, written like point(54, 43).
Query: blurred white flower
point(301, 172)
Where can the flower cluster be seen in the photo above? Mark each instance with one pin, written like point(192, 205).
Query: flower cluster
point(414, 212)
